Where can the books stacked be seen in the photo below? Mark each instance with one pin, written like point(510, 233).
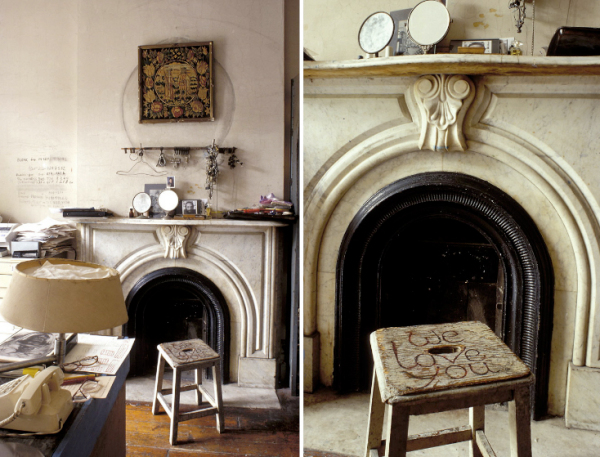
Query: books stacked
point(272, 203)
point(269, 207)
point(48, 238)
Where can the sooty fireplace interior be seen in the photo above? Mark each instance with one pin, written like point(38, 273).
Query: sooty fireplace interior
point(443, 247)
point(174, 304)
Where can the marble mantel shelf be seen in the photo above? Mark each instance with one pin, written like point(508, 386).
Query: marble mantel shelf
point(208, 222)
point(463, 64)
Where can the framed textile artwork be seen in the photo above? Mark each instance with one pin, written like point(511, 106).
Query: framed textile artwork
point(176, 82)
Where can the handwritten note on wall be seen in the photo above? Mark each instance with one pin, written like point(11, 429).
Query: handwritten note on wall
point(45, 181)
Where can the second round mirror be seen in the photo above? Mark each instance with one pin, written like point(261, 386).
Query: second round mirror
point(428, 23)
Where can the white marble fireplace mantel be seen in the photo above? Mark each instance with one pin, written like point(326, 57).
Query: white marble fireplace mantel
point(242, 258)
point(527, 125)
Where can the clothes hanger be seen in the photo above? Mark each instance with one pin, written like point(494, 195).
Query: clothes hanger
point(140, 163)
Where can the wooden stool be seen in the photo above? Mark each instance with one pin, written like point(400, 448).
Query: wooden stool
point(183, 356)
point(432, 368)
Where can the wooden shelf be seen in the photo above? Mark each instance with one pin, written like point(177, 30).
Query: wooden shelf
point(463, 64)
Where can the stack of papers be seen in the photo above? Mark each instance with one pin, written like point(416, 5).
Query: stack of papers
point(110, 350)
point(55, 237)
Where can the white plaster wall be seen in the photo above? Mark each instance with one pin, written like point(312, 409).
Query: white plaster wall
point(38, 44)
point(331, 28)
point(248, 53)
point(69, 83)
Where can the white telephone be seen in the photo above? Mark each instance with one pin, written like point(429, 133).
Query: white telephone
point(35, 404)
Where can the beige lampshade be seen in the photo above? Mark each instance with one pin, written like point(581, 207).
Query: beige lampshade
point(63, 305)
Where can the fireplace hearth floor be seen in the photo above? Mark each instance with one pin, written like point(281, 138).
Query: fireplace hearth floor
point(337, 425)
point(141, 388)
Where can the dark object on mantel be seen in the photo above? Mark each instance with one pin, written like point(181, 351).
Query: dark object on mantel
point(82, 212)
point(308, 56)
point(258, 216)
point(575, 41)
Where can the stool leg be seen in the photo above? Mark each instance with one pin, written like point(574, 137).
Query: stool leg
point(160, 371)
point(396, 435)
point(520, 423)
point(218, 398)
point(375, 424)
point(198, 379)
point(477, 422)
point(175, 405)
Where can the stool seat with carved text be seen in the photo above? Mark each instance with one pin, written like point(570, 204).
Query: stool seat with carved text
point(183, 356)
point(433, 368)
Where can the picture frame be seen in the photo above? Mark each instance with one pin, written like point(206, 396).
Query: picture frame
point(170, 182)
point(491, 45)
point(28, 344)
point(200, 206)
point(154, 191)
point(401, 42)
point(175, 82)
point(189, 206)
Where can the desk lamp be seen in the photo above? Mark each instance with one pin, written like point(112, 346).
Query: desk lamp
point(90, 300)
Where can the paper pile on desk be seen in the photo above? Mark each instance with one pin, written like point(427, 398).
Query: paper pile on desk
point(99, 388)
point(110, 350)
point(55, 237)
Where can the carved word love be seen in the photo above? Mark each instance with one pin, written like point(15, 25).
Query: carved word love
point(442, 358)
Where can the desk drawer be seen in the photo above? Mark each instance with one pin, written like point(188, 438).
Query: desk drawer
point(7, 268)
point(4, 282)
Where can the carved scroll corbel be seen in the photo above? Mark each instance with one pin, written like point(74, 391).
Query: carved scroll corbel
point(174, 239)
point(443, 101)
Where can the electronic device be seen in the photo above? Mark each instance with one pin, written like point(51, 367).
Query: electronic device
point(7, 234)
point(38, 404)
point(575, 41)
point(86, 213)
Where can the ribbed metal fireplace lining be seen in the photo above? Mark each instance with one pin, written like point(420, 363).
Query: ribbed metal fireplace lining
point(521, 248)
point(200, 286)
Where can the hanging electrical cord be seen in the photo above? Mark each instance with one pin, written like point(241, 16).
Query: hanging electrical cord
point(518, 13)
point(532, 27)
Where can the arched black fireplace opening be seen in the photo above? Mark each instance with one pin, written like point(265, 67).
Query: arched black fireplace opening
point(173, 304)
point(443, 237)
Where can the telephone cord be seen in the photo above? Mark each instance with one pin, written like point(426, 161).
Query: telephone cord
point(9, 419)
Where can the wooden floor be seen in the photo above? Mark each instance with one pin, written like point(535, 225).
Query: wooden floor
point(250, 432)
point(313, 453)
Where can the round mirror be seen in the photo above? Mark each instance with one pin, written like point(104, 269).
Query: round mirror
point(141, 202)
point(168, 200)
point(376, 32)
point(428, 23)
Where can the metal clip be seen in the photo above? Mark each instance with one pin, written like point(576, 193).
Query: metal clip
point(162, 162)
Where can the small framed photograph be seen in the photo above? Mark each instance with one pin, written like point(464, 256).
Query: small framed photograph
point(154, 191)
point(401, 43)
point(170, 182)
point(189, 206)
point(490, 46)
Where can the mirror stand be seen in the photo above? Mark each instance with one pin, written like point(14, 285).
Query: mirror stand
point(169, 215)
